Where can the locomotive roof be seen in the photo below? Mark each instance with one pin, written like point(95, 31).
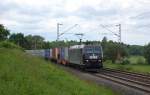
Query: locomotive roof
point(77, 46)
point(81, 46)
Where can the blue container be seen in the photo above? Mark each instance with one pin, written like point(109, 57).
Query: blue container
point(47, 53)
point(64, 54)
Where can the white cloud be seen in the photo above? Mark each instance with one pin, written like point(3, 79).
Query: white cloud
point(41, 16)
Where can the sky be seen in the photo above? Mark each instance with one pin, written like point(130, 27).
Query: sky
point(93, 18)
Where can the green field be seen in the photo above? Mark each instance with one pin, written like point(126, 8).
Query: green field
point(137, 64)
point(22, 74)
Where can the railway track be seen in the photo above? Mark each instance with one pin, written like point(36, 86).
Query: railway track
point(127, 72)
point(137, 81)
point(126, 85)
point(144, 78)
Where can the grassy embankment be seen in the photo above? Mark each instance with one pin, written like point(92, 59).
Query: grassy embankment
point(22, 74)
point(137, 64)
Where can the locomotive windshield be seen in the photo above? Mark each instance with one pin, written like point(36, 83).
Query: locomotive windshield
point(92, 49)
point(88, 50)
point(97, 49)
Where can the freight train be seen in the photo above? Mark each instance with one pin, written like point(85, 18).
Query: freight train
point(83, 56)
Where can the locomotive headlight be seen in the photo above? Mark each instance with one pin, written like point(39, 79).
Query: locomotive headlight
point(87, 60)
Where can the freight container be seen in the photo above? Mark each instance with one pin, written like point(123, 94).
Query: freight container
point(47, 54)
point(55, 54)
point(50, 54)
point(64, 55)
point(40, 53)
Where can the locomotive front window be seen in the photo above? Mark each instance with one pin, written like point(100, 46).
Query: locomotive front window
point(97, 50)
point(92, 49)
point(88, 50)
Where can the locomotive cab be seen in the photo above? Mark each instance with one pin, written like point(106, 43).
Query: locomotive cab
point(92, 57)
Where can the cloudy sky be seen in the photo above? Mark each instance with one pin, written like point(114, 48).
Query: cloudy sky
point(40, 17)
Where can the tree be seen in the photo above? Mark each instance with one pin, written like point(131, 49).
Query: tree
point(3, 33)
point(38, 41)
point(47, 45)
point(135, 49)
point(18, 39)
point(147, 53)
point(29, 41)
point(35, 42)
point(104, 42)
point(111, 51)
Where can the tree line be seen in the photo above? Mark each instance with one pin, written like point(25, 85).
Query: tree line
point(112, 50)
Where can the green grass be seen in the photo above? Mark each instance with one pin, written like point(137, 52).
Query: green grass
point(137, 64)
point(22, 74)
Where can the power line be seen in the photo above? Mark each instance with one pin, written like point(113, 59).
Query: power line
point(141, 15)
point(118, 35)
point(64, 32)
point(108, 29)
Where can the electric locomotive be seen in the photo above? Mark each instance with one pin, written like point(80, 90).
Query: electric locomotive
point(86, 56)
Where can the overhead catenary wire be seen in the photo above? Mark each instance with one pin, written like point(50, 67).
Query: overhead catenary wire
point(118, 35)
point(64, 32)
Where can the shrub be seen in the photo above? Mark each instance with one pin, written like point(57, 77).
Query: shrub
point(7, 44)
point(147, 53)
point(123, 61)
point(140, 61)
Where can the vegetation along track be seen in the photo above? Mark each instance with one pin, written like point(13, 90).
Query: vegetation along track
point(137, 81)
